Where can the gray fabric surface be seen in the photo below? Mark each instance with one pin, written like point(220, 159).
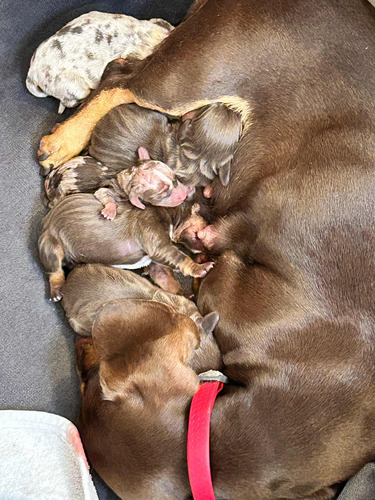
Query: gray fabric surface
point(37, 367)
point(361, 486)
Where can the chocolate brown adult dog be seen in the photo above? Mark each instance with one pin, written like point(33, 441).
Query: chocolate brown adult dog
point(295, 291)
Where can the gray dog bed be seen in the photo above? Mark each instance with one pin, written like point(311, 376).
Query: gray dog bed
point(37, 362)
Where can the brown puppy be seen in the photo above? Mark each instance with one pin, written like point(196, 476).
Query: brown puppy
point(88, 287)
point(74, 231)
point(295, 292)
point(196, 150)
point(138, 374)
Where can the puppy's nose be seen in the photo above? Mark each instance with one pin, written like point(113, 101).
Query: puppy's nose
point(201, 234)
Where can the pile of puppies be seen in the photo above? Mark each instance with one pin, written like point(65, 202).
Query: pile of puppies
point(142, 186)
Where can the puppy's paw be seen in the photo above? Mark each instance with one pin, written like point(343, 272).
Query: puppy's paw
point(203, 269)
point(208, 236)
point(190, 268)
point(56, 295)
point(109, 212)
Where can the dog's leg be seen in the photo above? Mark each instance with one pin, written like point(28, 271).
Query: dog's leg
point(105, 196)
point(175, 79)
point(163, 277)
point(161, 250)
point(51, 255)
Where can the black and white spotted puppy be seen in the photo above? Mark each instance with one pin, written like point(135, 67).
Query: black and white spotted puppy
point(69, 64)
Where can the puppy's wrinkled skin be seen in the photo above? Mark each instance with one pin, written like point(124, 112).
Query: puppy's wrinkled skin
point(295, 289)
point(69, 64)
point(74, 231)
point(88, 287)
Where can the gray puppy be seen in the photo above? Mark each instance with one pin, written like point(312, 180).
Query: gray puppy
point(69, 64)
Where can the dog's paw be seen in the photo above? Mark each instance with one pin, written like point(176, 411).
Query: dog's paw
point(56, 295)
point(190, 268)
point(66, 141)
point(203, 269)
point(109, 212)
point(208, 236)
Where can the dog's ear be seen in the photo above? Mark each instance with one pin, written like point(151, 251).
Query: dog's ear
point(123, 324)
point(74, 85)
point(125, 333)
point(224, 173)
point(143, 153)
point(162, 23)
point(184, 130)
point(210, 321)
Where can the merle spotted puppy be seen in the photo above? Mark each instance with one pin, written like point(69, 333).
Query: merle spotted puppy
point(69, 64)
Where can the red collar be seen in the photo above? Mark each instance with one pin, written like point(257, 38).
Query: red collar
point(198, 439)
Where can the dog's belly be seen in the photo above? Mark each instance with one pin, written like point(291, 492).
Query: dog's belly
point(143, 262)
point(121, 254)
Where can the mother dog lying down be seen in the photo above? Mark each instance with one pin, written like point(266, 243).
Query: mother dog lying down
point(294, 285)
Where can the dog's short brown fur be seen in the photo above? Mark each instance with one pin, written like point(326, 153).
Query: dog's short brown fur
point(89, 287)
point(295, 289)
point(74, 231)
point(197, 149)
point(139, 372)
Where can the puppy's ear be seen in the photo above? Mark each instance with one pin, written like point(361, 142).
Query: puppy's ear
point(135, 200)
point(195, 209)
point(164, 24)
point(143, 153)
point(184, 130)
point(224, 173)
point(124, 333)
point(210, 321)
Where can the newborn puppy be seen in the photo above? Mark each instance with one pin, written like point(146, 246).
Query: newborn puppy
point(208, 138)
point(74, 232)
point(69, 64)
point(148, 181)
point(197, 149)
point(88, 287)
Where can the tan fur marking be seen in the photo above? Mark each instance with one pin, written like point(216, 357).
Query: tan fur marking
point(235, 103)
